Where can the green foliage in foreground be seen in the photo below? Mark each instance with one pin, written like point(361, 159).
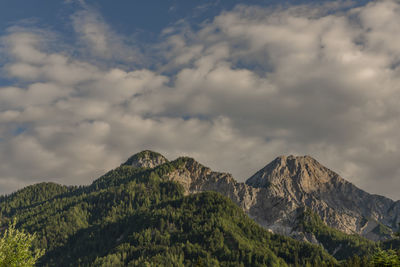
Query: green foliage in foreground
point(15, 248)
point(134, 217)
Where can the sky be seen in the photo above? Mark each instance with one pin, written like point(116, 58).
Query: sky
point(233, 84)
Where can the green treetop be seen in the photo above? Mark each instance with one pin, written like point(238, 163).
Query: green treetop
point(16, 248)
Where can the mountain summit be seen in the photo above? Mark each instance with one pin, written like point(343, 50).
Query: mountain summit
point(301, 173)
point(301, 181)
point(146, 159)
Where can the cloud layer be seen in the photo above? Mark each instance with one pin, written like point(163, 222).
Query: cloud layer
point(251, 84)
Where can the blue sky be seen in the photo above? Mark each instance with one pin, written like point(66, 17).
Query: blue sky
point(127, 16)
point(234, 84)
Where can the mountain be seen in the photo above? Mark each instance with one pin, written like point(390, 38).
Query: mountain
point(304, 182)
point(136, 215)
point(298, 197)
point(154, 211)
point(274, 196)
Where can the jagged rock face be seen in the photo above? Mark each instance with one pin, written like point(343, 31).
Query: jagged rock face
point(146, 159)
point(304, 182)
point(197, 178)
point(273, 196)
point(292, 174)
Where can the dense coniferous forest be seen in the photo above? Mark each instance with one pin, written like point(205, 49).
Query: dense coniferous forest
point(134, 217)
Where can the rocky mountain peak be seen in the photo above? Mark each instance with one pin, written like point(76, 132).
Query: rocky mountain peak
point(146, 159)
point(292, 171)
point(276, 194)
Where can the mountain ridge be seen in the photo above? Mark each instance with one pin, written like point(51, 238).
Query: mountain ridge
point(272, 195)
point(305, 212)
point(136, 216)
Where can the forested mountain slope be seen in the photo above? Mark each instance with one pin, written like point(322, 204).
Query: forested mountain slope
point(134, 215)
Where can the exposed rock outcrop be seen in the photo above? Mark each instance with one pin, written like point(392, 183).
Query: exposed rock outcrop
point(304, 182)
point(146, 159)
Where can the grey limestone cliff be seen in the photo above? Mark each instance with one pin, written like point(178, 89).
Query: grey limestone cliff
point(303, 182)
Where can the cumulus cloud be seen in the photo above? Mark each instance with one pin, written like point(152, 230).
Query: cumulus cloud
point(326, 84)
point(249, 85)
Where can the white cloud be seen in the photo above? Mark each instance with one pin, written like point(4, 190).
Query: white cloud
point(98, 39)
point(248, 86)
point(23, 45)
